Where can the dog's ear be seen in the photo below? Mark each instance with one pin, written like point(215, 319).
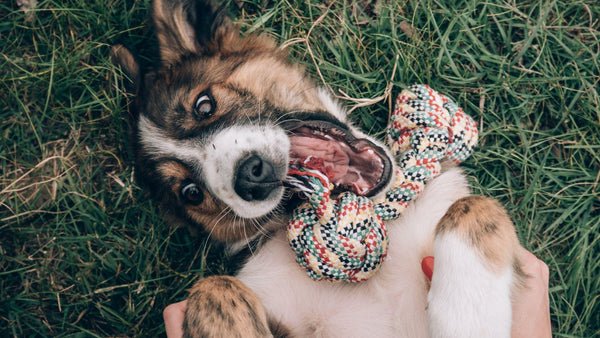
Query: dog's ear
point(122, 57)
point(188, 26)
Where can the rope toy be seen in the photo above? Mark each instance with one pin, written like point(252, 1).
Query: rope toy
point(345, 239)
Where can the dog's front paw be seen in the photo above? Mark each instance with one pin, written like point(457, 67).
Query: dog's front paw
point(476, 271)
point(222, 306)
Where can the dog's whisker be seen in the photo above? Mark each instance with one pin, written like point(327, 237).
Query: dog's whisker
point(248, 241)
point(258, 226)
point(280, 119)
point(218, 219)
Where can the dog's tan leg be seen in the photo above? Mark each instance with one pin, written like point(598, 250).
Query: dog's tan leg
point(475, 272)
point(222, 306)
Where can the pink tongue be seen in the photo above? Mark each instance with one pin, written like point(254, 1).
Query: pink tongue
point(330, 152)
point(359, 171)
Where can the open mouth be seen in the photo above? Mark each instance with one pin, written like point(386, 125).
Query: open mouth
point(352, 164)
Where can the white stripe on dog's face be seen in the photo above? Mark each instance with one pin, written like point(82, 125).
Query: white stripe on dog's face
point(224, 152)
point(157, 144)
point(215, 158)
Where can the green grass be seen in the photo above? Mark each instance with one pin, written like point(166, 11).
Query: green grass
point(82, 250)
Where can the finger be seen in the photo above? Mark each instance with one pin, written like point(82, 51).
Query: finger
point(530, 264)
point(525, 255)
point(427, 266)
point(174, 315)
point(545, 270)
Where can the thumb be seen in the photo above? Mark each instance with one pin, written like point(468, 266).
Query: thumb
point(427, 266)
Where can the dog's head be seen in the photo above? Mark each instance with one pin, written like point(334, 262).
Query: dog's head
point(222, 117)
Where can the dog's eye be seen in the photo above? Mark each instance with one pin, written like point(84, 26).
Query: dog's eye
point(204, 106)
point(191, 193)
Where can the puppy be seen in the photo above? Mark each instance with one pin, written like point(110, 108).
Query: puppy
point(217, 124)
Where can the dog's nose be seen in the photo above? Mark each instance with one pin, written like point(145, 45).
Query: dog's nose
point(255, 179)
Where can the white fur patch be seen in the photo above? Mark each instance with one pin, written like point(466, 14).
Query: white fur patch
point(158, 144)
point(466, 299)
point(332, 105)
point(224, 151)
point(215, 158)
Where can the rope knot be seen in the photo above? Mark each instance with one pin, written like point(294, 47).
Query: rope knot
point(341, 239)
point(431, 124)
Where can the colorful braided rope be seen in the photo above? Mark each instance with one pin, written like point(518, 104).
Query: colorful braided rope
point(345, 239)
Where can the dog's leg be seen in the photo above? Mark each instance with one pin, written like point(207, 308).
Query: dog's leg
point(475, 271)
point(222, 306)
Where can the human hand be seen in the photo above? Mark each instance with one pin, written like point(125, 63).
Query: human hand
point(173, 316)
point(531, 305)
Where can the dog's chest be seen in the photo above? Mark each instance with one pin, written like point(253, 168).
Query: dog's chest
point(392, 303)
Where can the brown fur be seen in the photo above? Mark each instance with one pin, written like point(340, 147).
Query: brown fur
point(177, 38)
point(282, 85)
point(485, 224)
point(224, 307)
point(126, 60)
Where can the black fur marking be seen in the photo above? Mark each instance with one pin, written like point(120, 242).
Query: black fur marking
point(489, 228)
point(291, 120)
point(237, 260)
point(278, 330)
point(218, 309)
point(256, 322)
point(206, 20)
